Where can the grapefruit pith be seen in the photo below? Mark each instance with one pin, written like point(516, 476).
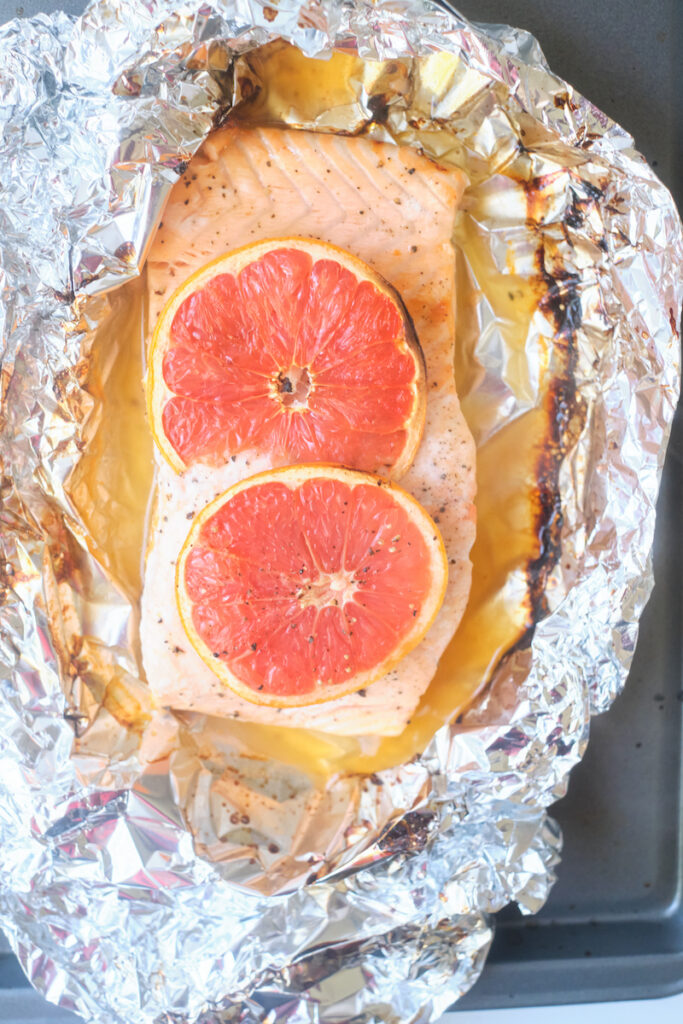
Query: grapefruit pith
point(305, 583)
point(292, 347)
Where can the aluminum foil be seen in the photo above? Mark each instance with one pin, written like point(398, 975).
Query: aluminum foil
point(131, 887)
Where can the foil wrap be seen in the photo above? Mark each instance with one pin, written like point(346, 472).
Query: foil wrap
point(130, 889)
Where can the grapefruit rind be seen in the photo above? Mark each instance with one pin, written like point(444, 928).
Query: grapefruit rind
point(158, 393)
point(294, 476)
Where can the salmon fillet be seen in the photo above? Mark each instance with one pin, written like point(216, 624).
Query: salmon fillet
point(394, 209)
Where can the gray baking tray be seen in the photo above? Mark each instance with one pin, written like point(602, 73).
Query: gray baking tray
point(613, 927)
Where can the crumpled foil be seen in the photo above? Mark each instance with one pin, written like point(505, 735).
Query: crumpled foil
point(123, 893)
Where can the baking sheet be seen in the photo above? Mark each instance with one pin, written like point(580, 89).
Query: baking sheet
point(601, 49)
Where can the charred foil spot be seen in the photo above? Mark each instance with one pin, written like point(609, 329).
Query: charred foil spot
point(77, 720)
point(563, 100)
point(559, 300)
point(379, 108)
point(410, 834)
point(561, 303)
point(126, 252)
point(584, 197)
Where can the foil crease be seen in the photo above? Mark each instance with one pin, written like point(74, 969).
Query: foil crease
point(122, 899)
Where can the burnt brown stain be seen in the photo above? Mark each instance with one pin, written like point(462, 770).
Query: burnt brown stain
point(583, 197)
point(269, 13)
point(379, 108)
point(563, 100)
point(409, 834)
point(565, 414)
point(126, 252)
point(559, 300)
point(77, 720)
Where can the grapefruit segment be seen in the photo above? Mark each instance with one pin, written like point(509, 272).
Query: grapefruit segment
point(302, 584)
point(292, 347)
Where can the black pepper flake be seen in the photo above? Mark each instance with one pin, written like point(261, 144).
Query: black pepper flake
point(273, 848)
point(362, 693)
point(159, 621)
point(190, 515)
point(177, 650)
point(411, 170)
point(253, 646)
point(413, 248)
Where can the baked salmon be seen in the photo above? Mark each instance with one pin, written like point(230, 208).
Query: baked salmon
point(395, 209)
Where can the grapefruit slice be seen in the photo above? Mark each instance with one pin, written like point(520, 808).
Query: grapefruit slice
point(291, 347)
point(305, 583)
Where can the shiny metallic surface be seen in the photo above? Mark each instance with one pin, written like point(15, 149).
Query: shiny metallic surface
point(131, 888)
